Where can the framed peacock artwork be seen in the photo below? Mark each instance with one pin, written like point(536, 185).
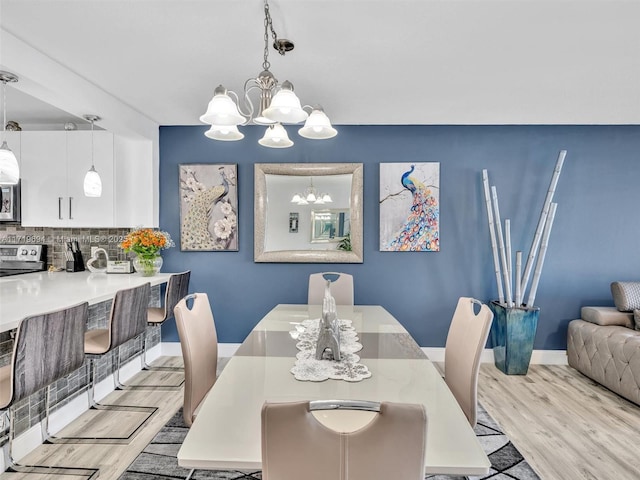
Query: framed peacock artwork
point(410, 207)
point(208, 207)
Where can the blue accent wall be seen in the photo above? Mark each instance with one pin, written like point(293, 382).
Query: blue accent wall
point(594, 239)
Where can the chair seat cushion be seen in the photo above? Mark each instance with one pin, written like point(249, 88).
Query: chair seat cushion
point(155, 315)
point(97, 341)
point(5, 386)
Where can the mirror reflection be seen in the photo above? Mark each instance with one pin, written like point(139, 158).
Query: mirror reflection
point(329, 225)
point(308, 213)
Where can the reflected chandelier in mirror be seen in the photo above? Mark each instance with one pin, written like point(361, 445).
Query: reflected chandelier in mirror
point(275, 183)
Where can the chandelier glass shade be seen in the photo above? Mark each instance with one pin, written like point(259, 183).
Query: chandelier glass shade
point(277, 103)
point(311, 195)
point(9, 167)
point(92, 181)
point(317, 126)
point(225, 133)
point(275, 137)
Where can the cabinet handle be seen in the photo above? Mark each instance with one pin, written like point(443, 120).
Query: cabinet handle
point(60, 208)
point(70, 202)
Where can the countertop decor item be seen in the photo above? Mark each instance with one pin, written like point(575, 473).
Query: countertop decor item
point(146, 244)
point(516, 319)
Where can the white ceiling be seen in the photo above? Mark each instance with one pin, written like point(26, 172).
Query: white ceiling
point(365, 61)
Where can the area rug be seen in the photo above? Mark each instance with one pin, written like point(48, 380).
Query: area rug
point(158, 460)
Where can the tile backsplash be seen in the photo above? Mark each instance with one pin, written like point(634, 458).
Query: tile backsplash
point(55, 238)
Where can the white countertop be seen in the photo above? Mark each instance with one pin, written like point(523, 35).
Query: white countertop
point(34, 293)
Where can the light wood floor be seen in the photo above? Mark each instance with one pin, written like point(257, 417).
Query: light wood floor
point(567, 426)
point(112, 460)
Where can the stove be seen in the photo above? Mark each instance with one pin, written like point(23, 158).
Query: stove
point(19, 259)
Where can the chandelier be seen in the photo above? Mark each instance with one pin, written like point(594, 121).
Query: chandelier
point(9, 168)
point(278, 104)
point(311, 195)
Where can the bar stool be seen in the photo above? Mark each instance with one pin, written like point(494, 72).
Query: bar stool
point(46, 348)
point(127, 320)
point(177, 289)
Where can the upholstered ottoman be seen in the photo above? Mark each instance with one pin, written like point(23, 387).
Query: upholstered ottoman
point(605, 345)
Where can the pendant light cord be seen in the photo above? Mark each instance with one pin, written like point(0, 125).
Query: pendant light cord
point(92, 165)
point(4, 110)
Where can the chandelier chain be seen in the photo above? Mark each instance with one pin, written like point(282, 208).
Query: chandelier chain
point(268, 25)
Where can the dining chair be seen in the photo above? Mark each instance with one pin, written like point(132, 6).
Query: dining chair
point(46, 348)
point(199, 344)
point(295, 444)
point(177, 289)
point(466, 339)
point(127, 320)
point(341, 288)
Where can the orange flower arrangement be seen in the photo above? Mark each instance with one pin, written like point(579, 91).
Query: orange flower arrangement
point(146, 242)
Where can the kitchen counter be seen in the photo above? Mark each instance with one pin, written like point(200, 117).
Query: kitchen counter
point(34, 293)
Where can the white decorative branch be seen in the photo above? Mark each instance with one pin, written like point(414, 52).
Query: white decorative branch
point(503, 257)
point(518, 273)
point(543, 251)
point(492, 233)
point(541, 222)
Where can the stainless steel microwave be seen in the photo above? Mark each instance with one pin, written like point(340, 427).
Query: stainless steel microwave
point(10, 203)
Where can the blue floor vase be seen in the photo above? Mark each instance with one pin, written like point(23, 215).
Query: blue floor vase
point(512, 334)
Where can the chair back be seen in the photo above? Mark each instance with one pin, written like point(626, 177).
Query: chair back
point(177, 289)
point(341, 289)
point(128, 317)
point(296, 445)
point(47, 347)
point(466, 339)
point(199, 343)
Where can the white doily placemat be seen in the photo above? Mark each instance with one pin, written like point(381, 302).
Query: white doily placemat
point(307, 368)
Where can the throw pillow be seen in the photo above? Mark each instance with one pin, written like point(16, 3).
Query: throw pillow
point(626, 295)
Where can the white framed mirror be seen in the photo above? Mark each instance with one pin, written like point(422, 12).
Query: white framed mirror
point(334, 186)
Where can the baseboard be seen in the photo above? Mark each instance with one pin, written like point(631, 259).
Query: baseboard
point(172, 349)
point(538, 357)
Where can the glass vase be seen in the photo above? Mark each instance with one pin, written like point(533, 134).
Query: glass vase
point(147, 265)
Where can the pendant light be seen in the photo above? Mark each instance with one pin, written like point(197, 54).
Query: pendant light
point(9, 168)
point(92, 182)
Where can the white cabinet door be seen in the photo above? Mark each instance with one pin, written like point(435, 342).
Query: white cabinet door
point(44, 179)
point(90, 211)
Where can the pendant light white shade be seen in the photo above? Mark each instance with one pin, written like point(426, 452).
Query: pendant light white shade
point(317, 126)
point(326, 198)
point(9, 168)
point(285, 106)
point(92, 183)
point(275, 137)
point(296, 198)
point(226, 133)
point(222, 110)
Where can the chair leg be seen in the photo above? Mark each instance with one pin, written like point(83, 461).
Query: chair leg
point(94, 405)
point(120, 386)
point(147, 366)
point(13, 466)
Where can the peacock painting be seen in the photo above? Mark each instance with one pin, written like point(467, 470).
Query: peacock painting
point(208, 207)
point(410, 207)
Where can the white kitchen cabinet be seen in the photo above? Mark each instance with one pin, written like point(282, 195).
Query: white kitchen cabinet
point(53, 168)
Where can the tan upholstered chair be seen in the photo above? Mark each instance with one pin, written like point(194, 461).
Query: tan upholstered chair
point(177, 289)
point(199, 343)
point(466, 339)
point(296, 445)
point(341, 288)
point(46, 348)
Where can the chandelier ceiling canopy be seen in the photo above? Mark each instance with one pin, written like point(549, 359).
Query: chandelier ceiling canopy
point(277, 104)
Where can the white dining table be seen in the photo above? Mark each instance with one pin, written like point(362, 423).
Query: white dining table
point(226, 432)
